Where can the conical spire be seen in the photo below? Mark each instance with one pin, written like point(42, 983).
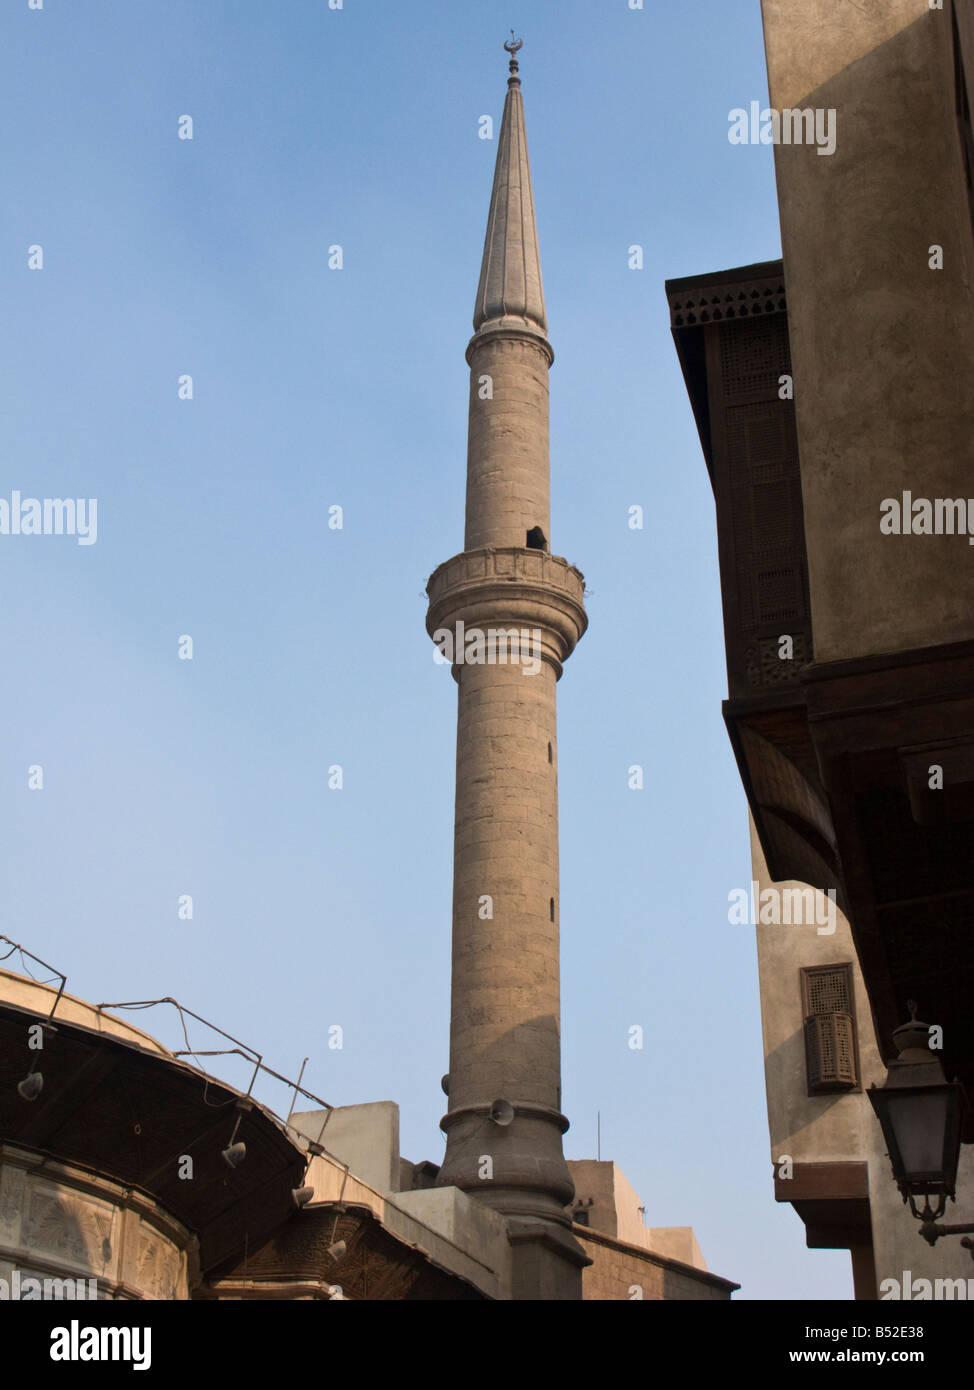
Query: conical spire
point(510, 294)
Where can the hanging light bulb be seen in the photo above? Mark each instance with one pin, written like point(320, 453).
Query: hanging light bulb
point(234, 1154)
point(31, 1086)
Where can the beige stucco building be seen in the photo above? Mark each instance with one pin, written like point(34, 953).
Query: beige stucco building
point(831, 392)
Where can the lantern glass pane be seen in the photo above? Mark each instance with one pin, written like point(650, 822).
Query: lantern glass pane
point(919, 1123)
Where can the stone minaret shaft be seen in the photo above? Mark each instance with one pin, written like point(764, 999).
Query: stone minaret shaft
point(504, 1030)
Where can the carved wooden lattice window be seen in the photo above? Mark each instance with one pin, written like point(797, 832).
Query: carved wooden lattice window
point(767, 517)
point(831, 1058)
point(753, 360)
point(759, 503)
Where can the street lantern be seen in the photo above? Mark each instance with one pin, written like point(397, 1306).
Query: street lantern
point(920, 1113)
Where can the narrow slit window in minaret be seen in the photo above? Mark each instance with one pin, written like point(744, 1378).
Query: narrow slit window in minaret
point(551, 908)
point(551, 756)
point(536, 539)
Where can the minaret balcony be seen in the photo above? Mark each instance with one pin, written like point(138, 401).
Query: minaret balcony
point(510, 587)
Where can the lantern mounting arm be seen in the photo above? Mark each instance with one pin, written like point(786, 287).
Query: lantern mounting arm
point(931, 1232)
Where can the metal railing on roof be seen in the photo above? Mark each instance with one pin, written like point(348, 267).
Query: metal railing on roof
point(240, 1049)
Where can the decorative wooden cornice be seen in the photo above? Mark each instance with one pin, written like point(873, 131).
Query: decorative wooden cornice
point(746, 293)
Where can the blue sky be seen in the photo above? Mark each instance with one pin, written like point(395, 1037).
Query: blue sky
point(317, 387)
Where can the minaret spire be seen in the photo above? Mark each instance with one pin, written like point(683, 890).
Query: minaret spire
point(511, 613)
point(510, 292)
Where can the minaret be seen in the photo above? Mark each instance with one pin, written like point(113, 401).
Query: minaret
point(509, 614)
